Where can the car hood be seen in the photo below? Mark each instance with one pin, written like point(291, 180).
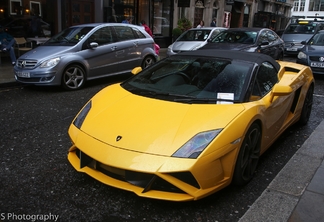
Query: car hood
point(314, 50)
point(151, 126)
point(45, 52)
point(228, 46)
point(187, 45)
point(296, 37)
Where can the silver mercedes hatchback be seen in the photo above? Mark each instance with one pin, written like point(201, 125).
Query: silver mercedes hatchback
point(86, 52)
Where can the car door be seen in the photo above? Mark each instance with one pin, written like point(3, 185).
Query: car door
point(274, 112)
point(128, 50)
point(101, 59)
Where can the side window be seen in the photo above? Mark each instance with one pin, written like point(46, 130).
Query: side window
point(102, 36)
point(214, 33)
point(266, 78)
point(139, 33)
point(124, 33)
point(272, 36)
point(263, 37)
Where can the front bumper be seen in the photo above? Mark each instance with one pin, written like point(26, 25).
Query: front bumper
point(37, 76)
point(147, 175)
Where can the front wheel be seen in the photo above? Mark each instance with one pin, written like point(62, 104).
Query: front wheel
point(73, 77)
point(148, 61)
point(248, 156)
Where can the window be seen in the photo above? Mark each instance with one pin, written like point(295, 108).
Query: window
point(124, 33)
point(316, 5)
point(296, 4)
point(102, 36)
point(272, 36)
point(35, 8)
point(302, 6)
point(263, 37)
point(266, 78)
point(139, 33)
point(15, 7)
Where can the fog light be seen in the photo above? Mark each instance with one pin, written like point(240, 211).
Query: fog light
point(47, 79)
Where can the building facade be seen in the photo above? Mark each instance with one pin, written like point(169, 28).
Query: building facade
point(308, 9)
point(161, 15)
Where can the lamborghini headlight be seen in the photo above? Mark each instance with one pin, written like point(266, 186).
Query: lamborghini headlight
point(82, 115)
point(50, 63)
point(302, 55)
point(196, 144)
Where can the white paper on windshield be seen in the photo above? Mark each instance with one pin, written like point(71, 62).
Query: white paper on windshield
point(229, 96)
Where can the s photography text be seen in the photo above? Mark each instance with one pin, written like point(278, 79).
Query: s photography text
point(28, 217)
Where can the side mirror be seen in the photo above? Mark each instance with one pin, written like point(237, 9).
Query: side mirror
point(93, 45)
point(136, 70)
point(280, 90)
point(303, 43)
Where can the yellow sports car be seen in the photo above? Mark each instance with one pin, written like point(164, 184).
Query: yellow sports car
point(191, 124)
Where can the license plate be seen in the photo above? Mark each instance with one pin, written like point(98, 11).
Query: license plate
point(292, 49)
point(317, 64)
point(23, 74)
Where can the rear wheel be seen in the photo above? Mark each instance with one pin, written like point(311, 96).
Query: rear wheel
point(248, 156)
point(148, 61)
point(307, 107)
point(73, 77)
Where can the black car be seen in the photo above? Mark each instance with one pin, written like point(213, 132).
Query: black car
point(21, 27)
point(262, 40)
point(312, 53)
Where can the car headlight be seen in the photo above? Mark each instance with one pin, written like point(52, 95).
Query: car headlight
point(301, 55)
point(50, 62)
point(196, 144)
point(82, 115)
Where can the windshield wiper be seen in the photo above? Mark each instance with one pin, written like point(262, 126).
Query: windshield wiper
point(202, 100)
point(153, 93)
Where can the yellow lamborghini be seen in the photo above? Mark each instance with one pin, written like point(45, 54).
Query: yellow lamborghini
point(191, 124)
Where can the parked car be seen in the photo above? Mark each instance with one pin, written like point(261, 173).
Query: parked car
point(312, 54)
point(214, 113)
point(295, 33)
point(193, 39)
point(86, 52)
point(20, 27)
point(262, 40)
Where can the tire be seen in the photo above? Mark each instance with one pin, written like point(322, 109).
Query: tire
point(73, 77)
point(148, 61)
point(248, 157)
point(307, 107)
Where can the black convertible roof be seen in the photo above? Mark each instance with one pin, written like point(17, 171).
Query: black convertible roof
point(229, 54)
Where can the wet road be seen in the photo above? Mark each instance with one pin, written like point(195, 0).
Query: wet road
point(36, 178)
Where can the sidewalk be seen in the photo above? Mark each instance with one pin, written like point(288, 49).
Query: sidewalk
point(6, 71)
point(295, 195)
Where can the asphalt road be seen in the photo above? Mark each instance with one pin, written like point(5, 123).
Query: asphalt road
point(36, 178)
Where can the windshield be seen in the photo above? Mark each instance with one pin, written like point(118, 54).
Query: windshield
point(69, 36)
point(192, 80)
point(300, 29)
point(244, 37)
point(194, 35)
point(317, 39)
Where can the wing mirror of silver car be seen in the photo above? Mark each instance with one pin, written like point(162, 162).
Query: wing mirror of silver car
point(93, 45)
